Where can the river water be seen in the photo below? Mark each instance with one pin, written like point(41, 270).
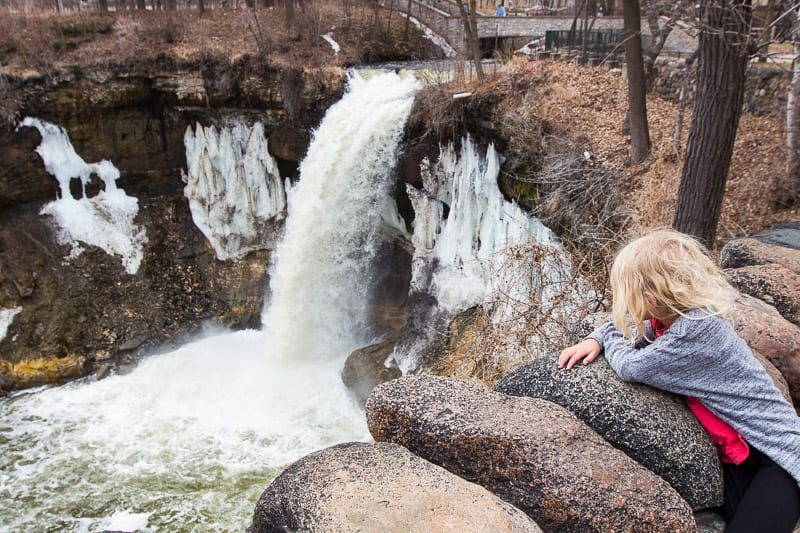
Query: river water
point(190, 438)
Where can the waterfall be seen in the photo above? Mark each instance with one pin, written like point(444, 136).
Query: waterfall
point(189, 439)
point(323, 264)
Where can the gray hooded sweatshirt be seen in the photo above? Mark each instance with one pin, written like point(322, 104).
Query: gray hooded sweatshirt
point(701, 356)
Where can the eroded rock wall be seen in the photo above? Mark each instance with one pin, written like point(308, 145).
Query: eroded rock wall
point(87, 314)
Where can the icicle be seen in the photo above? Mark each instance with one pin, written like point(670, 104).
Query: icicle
point(233, 186)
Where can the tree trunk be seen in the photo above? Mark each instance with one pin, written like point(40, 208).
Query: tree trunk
point(408, 22)
point(389, 18)
point(637, 102)
point(102, 5)
point(289, 8)
point(473, 42)
point(141, 5)
point(790, 193)
point(723, 54)
point(660, 34)
point(682, 100)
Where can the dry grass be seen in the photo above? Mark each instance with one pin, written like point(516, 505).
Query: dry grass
point(138, 37)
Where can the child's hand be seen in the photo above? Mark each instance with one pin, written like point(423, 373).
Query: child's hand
point(587, 350)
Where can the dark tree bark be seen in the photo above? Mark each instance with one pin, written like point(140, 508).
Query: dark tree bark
point(289, 8)
point(723, 54)
point(408, 22)
point(141, 5)
point(637, 101)
point(473, 42)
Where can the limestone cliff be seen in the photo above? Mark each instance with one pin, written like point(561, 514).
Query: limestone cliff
point(88, 314)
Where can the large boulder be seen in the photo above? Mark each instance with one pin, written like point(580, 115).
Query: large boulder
point(767, 266)
point(738, 253)
point(773, 283)
point(774, 338)
point(380, 487)
point(654, 427)
point(365, 367)
point(530, 452)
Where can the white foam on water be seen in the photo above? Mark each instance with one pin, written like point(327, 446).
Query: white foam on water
point(189, 439)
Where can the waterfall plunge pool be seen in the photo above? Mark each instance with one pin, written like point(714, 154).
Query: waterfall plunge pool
point(190, 438)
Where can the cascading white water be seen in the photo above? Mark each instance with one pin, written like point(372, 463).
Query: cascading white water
point(351, 172)
point(189, 439)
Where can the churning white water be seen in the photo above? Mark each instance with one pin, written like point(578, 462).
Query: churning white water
point(189, 439)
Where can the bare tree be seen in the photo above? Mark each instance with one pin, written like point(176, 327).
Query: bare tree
point(289, 9)
point(724, 50)
point(791, 191)
point(637, 102)
point(652, 11)
point(471, 31)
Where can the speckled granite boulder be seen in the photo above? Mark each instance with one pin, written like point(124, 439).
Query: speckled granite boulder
point(752, 251)
point(654, 427)
point(530, 452)
point(376, 488)
point(767, 266)
point(773, 337)
point(773, 283)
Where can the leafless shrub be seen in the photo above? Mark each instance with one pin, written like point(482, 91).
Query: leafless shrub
point(518, 326)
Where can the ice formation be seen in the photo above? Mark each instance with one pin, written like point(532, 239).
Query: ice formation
point(435, 38)
point(105, 220)
point(233, 186)
point(467, 248)
point(466, 239)
point(329, 37)
point(6, 318)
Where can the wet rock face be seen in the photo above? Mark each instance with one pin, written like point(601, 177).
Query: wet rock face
point(654, 427)
point(138, 119)
point(379, 487)
point(530, 452)
point(88, 314)
point(90, 310)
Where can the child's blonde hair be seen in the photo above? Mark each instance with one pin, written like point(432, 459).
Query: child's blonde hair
point(676, 270)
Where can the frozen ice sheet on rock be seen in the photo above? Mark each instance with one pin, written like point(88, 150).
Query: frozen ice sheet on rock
point(105, 220)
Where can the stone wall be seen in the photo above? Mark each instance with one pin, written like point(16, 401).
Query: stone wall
point(765, 90)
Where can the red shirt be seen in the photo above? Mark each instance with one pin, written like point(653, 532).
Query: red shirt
point(730, 444)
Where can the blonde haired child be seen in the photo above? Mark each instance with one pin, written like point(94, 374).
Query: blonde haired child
point(679, 302)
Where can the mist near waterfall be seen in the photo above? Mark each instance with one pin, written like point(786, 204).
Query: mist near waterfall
point(189, 439)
